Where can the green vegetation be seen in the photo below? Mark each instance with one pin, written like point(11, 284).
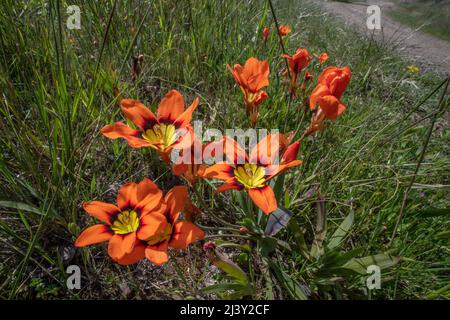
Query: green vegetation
point(432, 16)
point(60, 86)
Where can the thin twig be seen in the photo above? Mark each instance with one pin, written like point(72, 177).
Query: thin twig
point(279, 36)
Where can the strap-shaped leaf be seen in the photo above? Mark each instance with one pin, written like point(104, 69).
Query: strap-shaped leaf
point(359, 265)
point(341, 232)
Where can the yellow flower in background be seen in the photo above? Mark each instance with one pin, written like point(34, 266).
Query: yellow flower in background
point(412, 69)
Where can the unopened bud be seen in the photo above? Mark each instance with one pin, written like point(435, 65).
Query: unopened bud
point(243, 230)
point(209, 246)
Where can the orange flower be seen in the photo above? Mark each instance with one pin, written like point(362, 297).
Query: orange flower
point(161, 230)
point(331, 85)
point(169, 129)
point(323, 57)
point(284, 30)
point(297, 63)
point(332, 82)
point(136, 202)
point(253, 172)
point(252, 78)
point(265, 33)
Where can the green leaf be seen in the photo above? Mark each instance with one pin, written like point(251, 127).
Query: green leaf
point(299, 238)
point(340, 233)
point(268, 245)
point(279, 187)
point(333, 260)
point(433, 212)
point(359, 265)
point(20, 206)
point(277, 221)
point(295, 290)
point(228, 266)
point(221, 287)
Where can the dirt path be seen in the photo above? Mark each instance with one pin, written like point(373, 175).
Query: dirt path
point(425, 50)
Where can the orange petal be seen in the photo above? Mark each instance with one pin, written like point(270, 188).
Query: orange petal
point(264, 198)
point(128, 242)
point(184, 233)
point(150, 225)
point(221, 171)
point(170, 107)
point(138, 113)
point(94, 234)
point(157, 254)
point(291, 152)
point(127, 196)
point(116, 247)
point(319, 91)
point(235, 72)
point(145, 188)
point(185, 118)
point(231, 184)
point(327, 74)
point(148, 195)
point(101, 210)
point(340, 82)
point(256, 72)
point(330, 106)
point(136, 255)
point(179, 169)
point(175, 199)
point(121, 130)
point(273, 170)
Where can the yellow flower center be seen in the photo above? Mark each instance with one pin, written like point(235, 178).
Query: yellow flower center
point(126, 222)
point(164, 135)
point(160, 237)
point(250, 175)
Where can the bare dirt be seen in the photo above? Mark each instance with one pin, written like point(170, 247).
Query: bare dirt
point(426, 51)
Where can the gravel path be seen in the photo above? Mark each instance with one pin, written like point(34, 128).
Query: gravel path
point(425, 50)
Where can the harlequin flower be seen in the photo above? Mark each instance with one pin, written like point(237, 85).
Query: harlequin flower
point(265, 33)
point(284, 30)
point(332, 82)
point(331, 85)
point(252, 78)
point(169, 129)
point(297, 63)
point(136, 203)
point(323, 57)
point(161, 230)
point(253, 172)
